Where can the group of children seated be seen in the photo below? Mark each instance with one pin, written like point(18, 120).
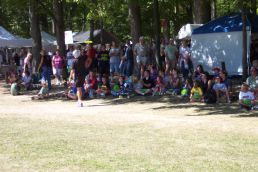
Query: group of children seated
point(200, 87)
point(25, 83)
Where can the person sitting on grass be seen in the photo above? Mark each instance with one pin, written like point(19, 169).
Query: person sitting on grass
point(147, 83)
point(186, 88)
point(137, 85)
point(220, 89)
point(159, 88)
point(246, 98)
point(14, 88)
point(196, 93)
point(104, 88)
point(119, 89)
point(252, 81)
point(27, 81)
point(174, 83)
point(90, 84)
point(128, 85)
point(72, 91)
point(44, 92)
point(153, 72)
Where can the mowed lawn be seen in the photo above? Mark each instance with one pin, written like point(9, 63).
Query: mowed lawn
point(127, 136)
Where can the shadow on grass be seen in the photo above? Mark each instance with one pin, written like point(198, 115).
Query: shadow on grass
point(170, 102)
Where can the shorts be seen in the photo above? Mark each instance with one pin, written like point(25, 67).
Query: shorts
point(219, 87)
point(171, 63)
point(79, 81)
point(57, 71)
point(114, 67)
point(141, 60)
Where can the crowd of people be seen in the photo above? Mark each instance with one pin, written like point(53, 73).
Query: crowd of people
point(129, 70)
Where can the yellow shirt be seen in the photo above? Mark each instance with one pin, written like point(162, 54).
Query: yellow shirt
point(197, 90)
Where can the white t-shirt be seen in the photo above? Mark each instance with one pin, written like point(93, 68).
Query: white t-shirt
point(246, 96)
point(184, 56)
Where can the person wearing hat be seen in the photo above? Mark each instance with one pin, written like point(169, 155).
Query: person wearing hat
point(78, 74)
point(246, 97)
point(252, 81)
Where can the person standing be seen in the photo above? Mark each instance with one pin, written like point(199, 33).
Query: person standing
point(140, 52)
point(114, 55)
point(170, 55)
point(129, 59)
point(57, 64)
point(27, 63)
point(184, 59)
point(78, 74)
point(45, 66)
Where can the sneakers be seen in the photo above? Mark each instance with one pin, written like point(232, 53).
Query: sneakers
point(79, 104)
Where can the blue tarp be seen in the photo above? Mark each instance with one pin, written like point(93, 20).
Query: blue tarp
point(230, 23)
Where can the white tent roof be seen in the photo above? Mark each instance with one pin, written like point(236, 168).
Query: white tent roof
point(4, 34)
point(47, 38)
point(186, 31)
point(15, 43)
point(11, 41)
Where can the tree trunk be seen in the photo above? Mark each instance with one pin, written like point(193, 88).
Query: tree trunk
point(59, 29)
point(156, 16)
point(91, 30)
point(201, 11)
point(59, 25)
point(213, 9)
point(135, 19)
point(244, 42)
point(35, 33)
point(253, 6)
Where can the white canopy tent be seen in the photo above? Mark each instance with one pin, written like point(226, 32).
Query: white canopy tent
point(186, 31)
point(47, 39)
point(220, 41)
point(11, 41)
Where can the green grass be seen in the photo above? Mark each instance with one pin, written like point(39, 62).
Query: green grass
point(39, 145)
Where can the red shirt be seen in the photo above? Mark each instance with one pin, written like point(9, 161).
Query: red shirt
point(91, 53)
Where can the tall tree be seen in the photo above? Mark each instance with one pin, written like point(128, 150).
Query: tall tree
point(201, 11)
point(35, 32)
point(244, 39)
point(156, 16)
point(59, 24)
point(213, 9)
point(135, 19)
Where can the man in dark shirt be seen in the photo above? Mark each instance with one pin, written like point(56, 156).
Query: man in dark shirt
point(103, 61)
point(78, 73)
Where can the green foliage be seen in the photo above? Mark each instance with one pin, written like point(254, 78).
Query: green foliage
point(14, 15)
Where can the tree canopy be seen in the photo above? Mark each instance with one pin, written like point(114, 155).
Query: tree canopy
point(113, 15)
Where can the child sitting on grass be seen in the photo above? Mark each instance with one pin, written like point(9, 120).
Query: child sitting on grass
point(71, 92)
point(159, 88)
point(27, 81)
point(104, 88)
point(174, 83)
point(90, 84)
point(220, 88)
point(186, 88)
point(43, 93)
point(196, 93)
point(246, 98)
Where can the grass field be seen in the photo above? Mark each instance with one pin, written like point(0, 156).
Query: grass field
point(127, 136)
